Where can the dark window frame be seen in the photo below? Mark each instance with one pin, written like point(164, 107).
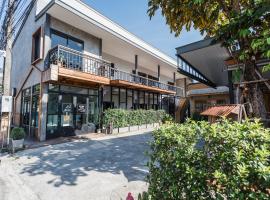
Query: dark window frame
point(36, 58)
point(67, 37)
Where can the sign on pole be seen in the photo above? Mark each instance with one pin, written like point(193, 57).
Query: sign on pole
point(6, 104)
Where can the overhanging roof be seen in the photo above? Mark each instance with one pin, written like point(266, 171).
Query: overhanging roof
point(222, 111)
point(207, 57)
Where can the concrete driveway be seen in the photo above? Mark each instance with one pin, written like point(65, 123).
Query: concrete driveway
point(105, 168)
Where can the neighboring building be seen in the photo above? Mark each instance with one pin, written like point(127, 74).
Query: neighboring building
point(211, 64)
point(70, 63)
point(202, 97)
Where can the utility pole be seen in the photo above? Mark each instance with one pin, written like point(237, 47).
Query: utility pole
point(7, 29)
point(8, 46)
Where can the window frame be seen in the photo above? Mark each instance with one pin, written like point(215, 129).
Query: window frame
point(67, 38)
point(34, 59)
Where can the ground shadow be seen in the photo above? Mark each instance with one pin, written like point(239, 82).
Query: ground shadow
point(71, 160)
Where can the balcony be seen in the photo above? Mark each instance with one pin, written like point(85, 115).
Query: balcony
point(69, 64)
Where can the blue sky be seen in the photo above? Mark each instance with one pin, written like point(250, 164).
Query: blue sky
point(132, 15)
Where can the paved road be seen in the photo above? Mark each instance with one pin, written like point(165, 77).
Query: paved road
point(100, 169)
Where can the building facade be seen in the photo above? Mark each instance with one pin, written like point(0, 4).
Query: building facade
point(70, 63)
point(202, 97)
point(210, 63)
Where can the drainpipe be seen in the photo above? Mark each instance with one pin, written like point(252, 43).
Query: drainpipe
point(158, 72)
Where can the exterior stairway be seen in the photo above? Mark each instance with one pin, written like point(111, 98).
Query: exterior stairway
point(181, 109)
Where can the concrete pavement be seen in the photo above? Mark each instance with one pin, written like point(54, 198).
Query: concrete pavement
point(106, 168)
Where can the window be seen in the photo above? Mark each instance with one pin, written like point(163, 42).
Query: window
point(115, 97)
point(37, 46)
point(200, 106)
point(123, 98)
point(129, 99)
point(59, 38)
point(221, 102)
point(26, 99)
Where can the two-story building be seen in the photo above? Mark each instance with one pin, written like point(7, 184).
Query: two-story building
point(70, 63)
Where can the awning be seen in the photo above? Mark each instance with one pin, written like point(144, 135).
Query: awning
point(222, 111)
point(206, 58)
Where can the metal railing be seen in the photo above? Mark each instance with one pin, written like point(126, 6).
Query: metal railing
point(76, 60)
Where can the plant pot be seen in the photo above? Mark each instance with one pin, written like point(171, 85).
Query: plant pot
point(156, 125)
point(17, 144)
point(115, 131)
point(143, 126)
point(133, 128)
point(123, 130)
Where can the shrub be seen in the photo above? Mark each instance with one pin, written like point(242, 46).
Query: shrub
point(123, 118)
point(196, 160)
point(17, 133)
point(118, 117)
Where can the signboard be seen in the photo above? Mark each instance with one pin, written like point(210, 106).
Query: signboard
point(81, 108)
point(67, 107)
point(6, 104)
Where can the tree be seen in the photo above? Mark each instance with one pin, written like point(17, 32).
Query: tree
point(241, 23)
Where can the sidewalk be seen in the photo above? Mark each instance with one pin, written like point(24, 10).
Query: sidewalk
point(90, 136)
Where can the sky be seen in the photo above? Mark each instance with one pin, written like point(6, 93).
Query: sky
point(132, 15)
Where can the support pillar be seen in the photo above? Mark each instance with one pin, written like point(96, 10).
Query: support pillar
point(158, 72)
point(136, 64)
point(43, 112)
point(231, 92)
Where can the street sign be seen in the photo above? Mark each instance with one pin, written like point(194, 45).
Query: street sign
point(6, 104)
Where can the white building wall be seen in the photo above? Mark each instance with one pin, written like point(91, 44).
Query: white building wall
point(41, 4)
point(22, 53)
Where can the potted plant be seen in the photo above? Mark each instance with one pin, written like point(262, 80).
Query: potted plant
point(17, 138)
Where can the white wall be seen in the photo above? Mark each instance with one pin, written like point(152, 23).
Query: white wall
point(41, 4)
point(22, 52)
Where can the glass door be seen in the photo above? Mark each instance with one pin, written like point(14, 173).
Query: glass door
point(93, 110)
point(80, 104)
point(66, 112)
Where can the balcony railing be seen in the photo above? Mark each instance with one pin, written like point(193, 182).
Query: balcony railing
point(71, 59)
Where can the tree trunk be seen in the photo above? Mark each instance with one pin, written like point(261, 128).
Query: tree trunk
point(254, 94)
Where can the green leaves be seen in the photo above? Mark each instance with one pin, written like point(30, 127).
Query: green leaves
point(197, 160)
point(124, 118)
point(244, 22)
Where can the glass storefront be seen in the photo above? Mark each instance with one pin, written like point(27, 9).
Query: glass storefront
point(30, 110)
point(70, 109)
point(114, 97)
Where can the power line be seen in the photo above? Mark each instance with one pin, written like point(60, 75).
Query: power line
point(2, 9)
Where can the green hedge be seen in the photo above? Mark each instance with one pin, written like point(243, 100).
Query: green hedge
point(196, 160)
point(123, 118)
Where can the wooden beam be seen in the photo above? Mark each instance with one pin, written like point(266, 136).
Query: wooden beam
point(261, 78)
point(251, 82)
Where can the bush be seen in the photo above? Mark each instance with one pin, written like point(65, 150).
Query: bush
point(196, 160)
point(123, 118)
point(17, 133)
